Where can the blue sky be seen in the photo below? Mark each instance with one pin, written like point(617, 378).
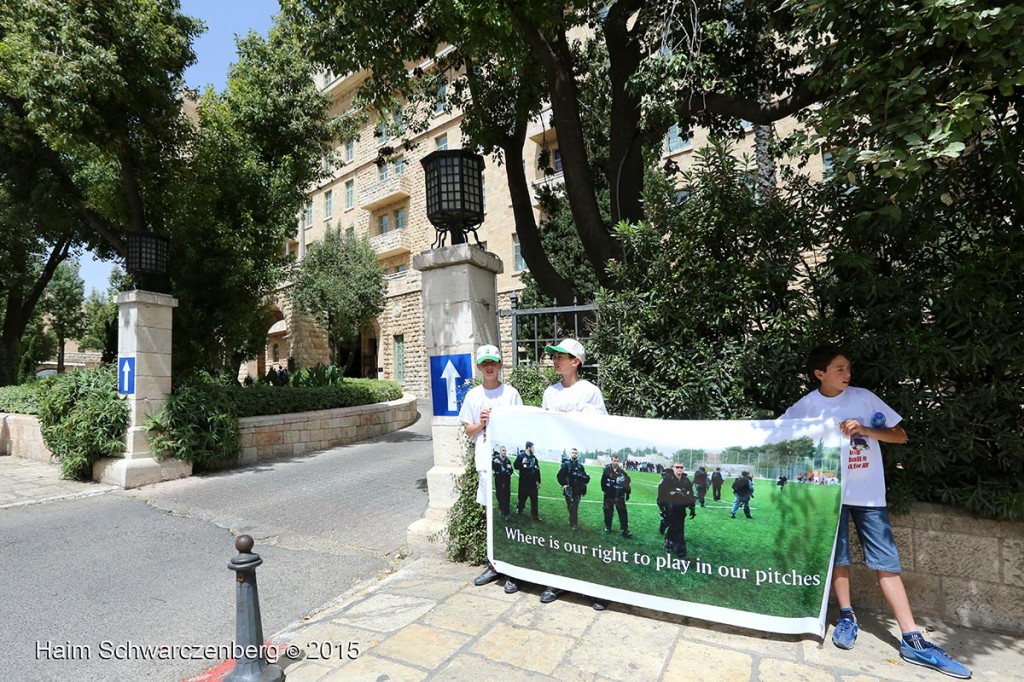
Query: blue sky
point(215, 50)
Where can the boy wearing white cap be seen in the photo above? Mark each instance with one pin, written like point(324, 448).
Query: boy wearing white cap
point(571, 394)
point(475, 412)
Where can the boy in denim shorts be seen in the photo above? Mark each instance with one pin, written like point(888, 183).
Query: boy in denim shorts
point(867, 421)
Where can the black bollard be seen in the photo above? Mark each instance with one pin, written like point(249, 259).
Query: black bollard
point(250, 658)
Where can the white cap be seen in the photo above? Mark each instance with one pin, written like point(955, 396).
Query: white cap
point(487, 352)
point(570, 346)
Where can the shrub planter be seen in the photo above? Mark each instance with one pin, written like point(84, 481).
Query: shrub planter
point(299, 433)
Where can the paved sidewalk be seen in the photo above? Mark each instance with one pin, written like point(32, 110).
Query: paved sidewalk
point(428, 622)
point(26, 481)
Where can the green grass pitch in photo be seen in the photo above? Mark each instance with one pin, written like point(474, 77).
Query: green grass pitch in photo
point(734, 563)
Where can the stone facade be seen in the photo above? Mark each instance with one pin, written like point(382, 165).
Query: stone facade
point(285, 435)
point(956, 568)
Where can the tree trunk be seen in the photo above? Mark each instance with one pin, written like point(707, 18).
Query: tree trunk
point(60, 354)
point(548, 279)
point(598, 243)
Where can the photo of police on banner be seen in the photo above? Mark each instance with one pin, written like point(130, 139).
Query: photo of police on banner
point(728, 521)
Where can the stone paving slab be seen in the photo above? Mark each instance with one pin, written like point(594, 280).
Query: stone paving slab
point(428, 622)
point(26, 481)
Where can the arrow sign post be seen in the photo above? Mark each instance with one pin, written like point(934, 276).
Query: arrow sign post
point(446, 373)
point(126, 376)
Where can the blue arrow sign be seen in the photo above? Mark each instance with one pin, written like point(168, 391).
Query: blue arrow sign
point(447, 374)
point(126, 376)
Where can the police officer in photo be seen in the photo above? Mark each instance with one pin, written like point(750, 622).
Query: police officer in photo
point(529, 480)
point(615, 484)
point(574, 479)
point(503, 482)
point(700, 484)
point(675, 495)
point(716, 484)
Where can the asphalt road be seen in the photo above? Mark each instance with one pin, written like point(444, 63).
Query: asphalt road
point(100, 579)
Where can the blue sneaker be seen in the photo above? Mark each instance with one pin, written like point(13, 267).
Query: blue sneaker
point(844, 634)
point(935, 658)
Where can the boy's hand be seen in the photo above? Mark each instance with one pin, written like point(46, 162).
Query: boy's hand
point(852, 427)
point(485, 415)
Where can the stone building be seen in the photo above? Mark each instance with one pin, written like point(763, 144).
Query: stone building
point(387, 204)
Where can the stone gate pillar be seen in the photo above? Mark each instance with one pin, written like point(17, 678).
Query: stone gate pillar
point(144, 378)
point(460, 312)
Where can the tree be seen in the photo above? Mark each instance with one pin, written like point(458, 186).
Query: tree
point(340, 284)
point(63, 303)
point(94, 144)
point(714, 65)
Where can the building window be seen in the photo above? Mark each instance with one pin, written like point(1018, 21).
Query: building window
point(328, 77)
point(328, 204)
point(557, 156)
point(350, 193)
point(826, 164)
point(399, 358)
point(441, 99)
point(276, 353)
point(399, 165)
point(329, 162)
point(400, 216)
point(309, 213)
point(382, 172)
point(350, 150)
point(441, 141)
point(399, 269)
point(384, 222)
point(674, 141)
point(350, 232)
point(517, 255)
point(745, 125)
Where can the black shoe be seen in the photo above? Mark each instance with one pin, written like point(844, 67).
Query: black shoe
point(607, 529)
point(600, 605)
point(506, 517)
point(519, 512)
point(538, 519)
point(749, 516)
point(488, 576)
point(510, 586)
point(574, 527)
point(626, 534)
point(732, 516)
point(550, 594)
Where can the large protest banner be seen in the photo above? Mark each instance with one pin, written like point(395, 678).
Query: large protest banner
point(769, 572)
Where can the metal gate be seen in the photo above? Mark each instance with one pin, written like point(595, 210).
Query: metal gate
point(535, 328)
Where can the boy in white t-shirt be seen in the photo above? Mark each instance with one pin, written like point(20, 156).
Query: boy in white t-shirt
point(474, 414)
point(571, 394)
point(867, 421)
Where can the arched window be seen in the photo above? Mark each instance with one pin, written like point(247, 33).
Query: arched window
point(276, 352)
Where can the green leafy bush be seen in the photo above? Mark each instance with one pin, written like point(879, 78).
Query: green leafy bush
point(320, 375)
point(531, 380)
point(466, 524)
point(707, 324)
point(82, 418)
point(199, 423)
point(23, 399)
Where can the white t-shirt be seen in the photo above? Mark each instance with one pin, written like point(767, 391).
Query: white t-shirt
point(861, 460)
point(473, 404)
point(582, 396)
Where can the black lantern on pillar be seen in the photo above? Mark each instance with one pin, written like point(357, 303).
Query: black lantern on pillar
point(146, 261)
point(455, 193)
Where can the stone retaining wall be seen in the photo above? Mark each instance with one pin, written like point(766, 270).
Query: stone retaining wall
point(957, 569)
point(20, 436)
point(284, 435)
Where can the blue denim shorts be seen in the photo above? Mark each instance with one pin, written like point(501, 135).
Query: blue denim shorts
point(875, 533)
